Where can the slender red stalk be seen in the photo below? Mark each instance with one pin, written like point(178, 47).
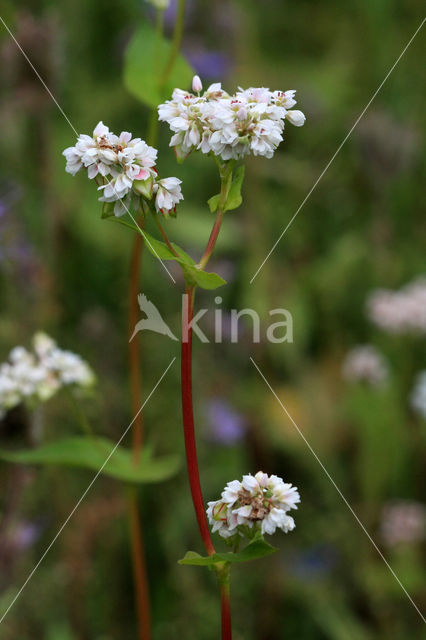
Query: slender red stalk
point(135, 369)
point(225, 605)
point(138, 554)
point(188, 420)
point(212, 240)
point(139, 568)
point(164, 235)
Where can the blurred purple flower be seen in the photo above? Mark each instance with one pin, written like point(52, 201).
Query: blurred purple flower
point(209, 65)
point(26, 534)
point(225, 425)
point(313, 563)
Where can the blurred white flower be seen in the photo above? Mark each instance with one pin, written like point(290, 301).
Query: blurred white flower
point(401, 311)
point(123, 167)
point(257, 503)
point(418, 395)
point(365, 363)
point(251, 121)
point(403, 522)
point(37, 376)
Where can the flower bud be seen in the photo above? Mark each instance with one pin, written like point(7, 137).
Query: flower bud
point(197, 85)
point(242, 114)
point(297, 118)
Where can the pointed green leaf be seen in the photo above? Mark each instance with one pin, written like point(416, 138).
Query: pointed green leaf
point(256, 549)
point(92, 453)
point(193, 275)
point(146, 59)
point(213, 202)
point(234, 197)
point(203, 279)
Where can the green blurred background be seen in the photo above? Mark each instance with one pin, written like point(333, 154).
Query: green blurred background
point(64, 270)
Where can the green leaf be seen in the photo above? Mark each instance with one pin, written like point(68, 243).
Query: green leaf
point(234, 197)
point(256, 549)
point(91, 453)
point(202, 279)
point(146, 58)
point(193, 275)
point(213, 202)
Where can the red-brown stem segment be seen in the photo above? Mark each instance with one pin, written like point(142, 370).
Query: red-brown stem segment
point(164, 235)
point(139, 568)
point(188, 420)
point(212, 240)
point(135, 371)
point(225, 603)
point(137, 547)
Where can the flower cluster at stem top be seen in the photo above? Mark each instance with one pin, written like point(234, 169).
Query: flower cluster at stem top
point(257, 503)
point(124, 169)
point(229, 126)
point(34, 377)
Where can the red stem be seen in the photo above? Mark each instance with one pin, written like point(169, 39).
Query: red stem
point(164, 235)
point(212, 240)
point(226, 612)
point(137, 546)
point(135, 370)
point(188, 420)
point(139, 568)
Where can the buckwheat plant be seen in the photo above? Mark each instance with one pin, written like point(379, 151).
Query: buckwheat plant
point(228, 129)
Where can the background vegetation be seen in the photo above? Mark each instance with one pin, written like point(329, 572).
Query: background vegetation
point(66, 271)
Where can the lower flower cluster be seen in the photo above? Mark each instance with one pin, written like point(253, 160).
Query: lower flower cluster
point(257, 503)
point(36, 376)
point(124, 168)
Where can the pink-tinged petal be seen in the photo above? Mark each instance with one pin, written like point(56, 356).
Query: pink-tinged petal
point(142, 175)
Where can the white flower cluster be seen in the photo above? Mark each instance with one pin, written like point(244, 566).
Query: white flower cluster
point(251, 121)
point(258, 502)
point(403, 522)
point(123, 168)
point(365, 363)
point(402, 311)
point(36, 376)
point(418, 395)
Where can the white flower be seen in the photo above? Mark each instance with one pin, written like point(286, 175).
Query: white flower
point(257, 503)
point(167, 194)
point(115, 161)
point(36, 376)
point(401, 311)
point(251, 121)
point(403, 522)
point(366, 364)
